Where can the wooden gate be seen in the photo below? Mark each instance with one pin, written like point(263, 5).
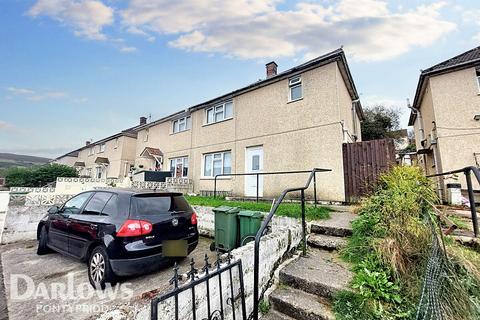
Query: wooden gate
point(363, 162)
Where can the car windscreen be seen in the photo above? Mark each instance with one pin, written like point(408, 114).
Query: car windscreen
point(154, 204)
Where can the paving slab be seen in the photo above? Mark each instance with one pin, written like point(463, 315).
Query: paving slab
point(326, 242)
point(301, 305)
point(321, 272)
point(338, 225)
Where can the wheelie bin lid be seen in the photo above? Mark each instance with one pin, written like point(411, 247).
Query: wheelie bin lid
point(226, 209)
point(251, 214)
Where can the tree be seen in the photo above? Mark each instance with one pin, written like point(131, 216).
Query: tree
point(37, 176)
point(380, 122)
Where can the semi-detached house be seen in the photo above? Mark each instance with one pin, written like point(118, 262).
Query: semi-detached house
point(294, 120)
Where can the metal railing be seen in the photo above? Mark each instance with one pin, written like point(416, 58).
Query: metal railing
point(258, 174)
point(468, 176)
point(265, 223)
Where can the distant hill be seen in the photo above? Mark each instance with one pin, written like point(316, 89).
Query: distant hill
point(8, 160)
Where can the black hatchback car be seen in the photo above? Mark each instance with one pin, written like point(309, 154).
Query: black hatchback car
point(120, 232)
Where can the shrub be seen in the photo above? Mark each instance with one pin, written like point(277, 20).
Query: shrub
point(389, 249)
point(37, 176)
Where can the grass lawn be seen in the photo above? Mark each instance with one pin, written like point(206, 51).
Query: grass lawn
point(292, 210)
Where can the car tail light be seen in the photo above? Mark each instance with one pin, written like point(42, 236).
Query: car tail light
point(193, 219)
point(134, 228)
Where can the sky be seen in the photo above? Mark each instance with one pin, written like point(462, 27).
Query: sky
point(77, 70)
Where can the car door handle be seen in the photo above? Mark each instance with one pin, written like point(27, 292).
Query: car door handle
point(93, 227)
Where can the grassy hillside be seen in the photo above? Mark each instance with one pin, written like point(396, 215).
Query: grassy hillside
point(8, 160)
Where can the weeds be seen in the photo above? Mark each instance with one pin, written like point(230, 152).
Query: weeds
point(264, 307)
point(389, 249)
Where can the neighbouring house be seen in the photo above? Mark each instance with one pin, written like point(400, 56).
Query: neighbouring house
point(293, 120)
point(446, 116)
point(111, 157)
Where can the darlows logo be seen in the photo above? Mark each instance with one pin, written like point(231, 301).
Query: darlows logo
point(23, 288)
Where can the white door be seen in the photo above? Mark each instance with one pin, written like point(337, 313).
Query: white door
point(253, 164)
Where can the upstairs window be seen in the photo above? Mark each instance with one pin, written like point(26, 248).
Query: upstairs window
point(145, 137)
point(116, 144)
point(182, 124)
point(91, 151)
point(295, 88)
point(217, 163)
point(101, 148)
point(220, 112)
point(478, 79)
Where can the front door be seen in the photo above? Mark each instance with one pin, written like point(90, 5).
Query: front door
point(253, 164)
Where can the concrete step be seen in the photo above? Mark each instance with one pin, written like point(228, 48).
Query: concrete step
point(323, 241)
point(321, 273)
point(300, 305)
point(338, 225)
point(275, 315)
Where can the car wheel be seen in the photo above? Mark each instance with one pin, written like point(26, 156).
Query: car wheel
point(42, 242)
point(99, 271)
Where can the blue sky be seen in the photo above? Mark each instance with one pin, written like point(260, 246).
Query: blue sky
point(74, 70)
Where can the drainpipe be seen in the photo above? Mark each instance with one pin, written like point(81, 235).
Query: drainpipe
point(434, 144)
point(354, 118)
point(420, 121)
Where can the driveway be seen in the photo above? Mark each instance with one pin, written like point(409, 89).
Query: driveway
point(57, 287)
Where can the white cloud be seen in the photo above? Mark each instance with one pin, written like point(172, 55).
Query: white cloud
point(86, 17)
point(368, 29)
point(33, 95)
point(5, 126)
point(128, 49)
point(20, 91)
point(471, 17)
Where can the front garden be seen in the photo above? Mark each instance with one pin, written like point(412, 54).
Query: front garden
point(389, 252)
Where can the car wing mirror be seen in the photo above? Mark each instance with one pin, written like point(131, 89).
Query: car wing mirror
point(54, 210)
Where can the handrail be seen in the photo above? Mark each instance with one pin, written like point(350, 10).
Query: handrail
point(467, 171)
point(264, 174)
point(265, 223)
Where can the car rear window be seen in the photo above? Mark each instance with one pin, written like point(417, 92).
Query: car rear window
point(152, 204)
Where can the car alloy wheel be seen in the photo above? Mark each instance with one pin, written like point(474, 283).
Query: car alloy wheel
point(97, 267)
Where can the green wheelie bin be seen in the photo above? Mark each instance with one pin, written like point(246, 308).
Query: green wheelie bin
point(250, 222)
point(226, 228)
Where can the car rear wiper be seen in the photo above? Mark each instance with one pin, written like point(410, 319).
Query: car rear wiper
point(176, 212)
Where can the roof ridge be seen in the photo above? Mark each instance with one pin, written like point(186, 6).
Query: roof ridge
point(445, 62)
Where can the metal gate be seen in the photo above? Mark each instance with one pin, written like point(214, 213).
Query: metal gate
point(210, 277)
point(363, 162)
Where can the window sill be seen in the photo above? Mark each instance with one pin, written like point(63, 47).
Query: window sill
point(292, 101)
point(173, 133)
point(219, 178)
point(209, 124)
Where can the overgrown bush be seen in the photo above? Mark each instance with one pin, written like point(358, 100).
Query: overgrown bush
point(37, 176)
point(389, 250)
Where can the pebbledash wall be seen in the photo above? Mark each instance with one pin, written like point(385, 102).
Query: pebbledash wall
point(285, 236)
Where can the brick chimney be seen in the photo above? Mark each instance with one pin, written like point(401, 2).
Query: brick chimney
point(271, 69)
point(143, 120)
point(87, 143)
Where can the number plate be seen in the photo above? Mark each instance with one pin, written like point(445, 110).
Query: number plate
point(175, 248)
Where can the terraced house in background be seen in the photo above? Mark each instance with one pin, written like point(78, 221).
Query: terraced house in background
point(111, 157)
point(446, 115)
point(294, 120)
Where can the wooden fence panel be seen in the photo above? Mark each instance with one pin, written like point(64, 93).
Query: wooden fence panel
point(363, 162)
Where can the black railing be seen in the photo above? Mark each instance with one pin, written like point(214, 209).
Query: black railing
point(258, 174)
point(193, 281)
point(468, 176)
point(265, 223)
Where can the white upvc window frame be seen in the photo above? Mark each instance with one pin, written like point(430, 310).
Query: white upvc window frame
point(101, 148)
point(91, 151)
point(115, 146)
point(478, 79)
point(295, 82)
point(219, 112)
point(216, 156)
point(145, 137)
point(173, 166)
point(185, 122)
